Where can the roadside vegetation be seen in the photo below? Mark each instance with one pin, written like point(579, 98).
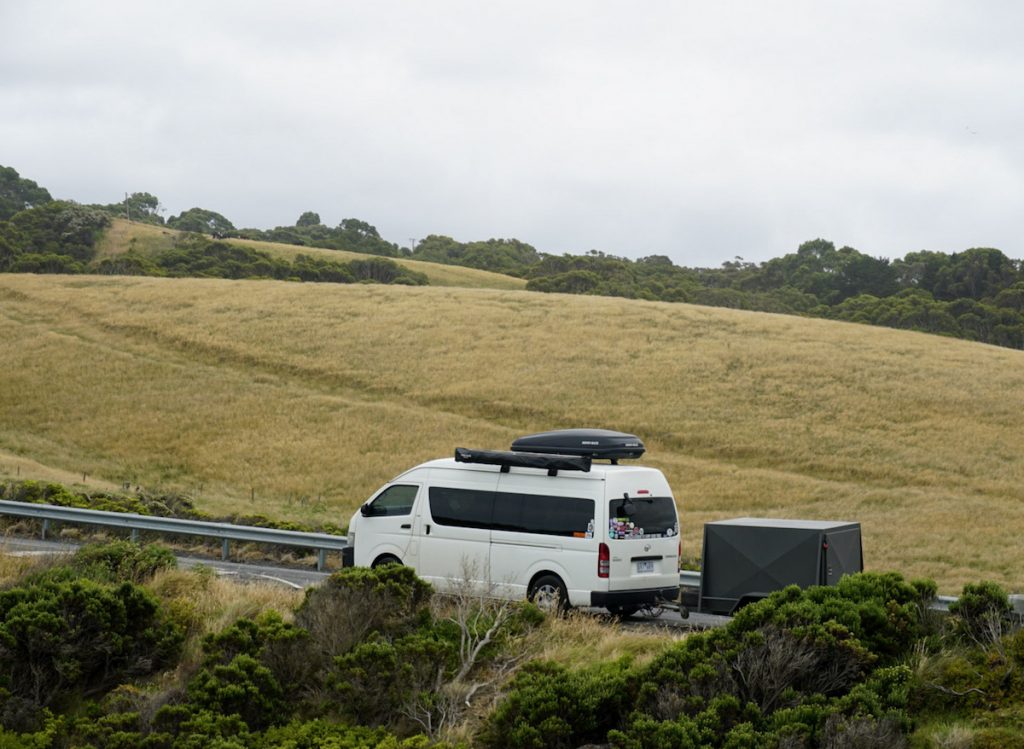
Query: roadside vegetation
point(115, 647)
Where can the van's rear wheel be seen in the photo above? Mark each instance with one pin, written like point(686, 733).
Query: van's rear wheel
point(385, 559)
point(548, 593)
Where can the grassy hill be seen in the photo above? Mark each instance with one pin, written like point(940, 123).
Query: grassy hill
point(147, 238)
point(298, 400)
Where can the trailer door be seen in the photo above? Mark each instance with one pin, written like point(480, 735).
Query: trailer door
point(842, 555)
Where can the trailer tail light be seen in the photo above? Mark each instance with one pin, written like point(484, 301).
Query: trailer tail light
point(604, 560)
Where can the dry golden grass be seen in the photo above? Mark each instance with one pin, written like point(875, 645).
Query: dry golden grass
point(15, 564)
point(123, 236)
point(581, 639)
point(311, 396)
point(208, 603)
point(146, 238)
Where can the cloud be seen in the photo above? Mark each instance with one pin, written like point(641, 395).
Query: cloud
point(698, 131)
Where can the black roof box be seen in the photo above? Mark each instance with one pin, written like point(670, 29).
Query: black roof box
point(594, 443)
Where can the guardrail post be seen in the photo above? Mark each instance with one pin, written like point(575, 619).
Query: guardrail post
point(321, 559)
point(46, 527)
point(135, 535)
point(224, 550)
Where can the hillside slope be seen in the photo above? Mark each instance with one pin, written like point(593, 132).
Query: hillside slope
point(307, 397)
point(148, 238)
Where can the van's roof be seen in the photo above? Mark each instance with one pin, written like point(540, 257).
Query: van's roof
point(598, 471)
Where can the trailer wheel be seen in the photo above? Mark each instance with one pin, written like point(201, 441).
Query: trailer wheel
point(548, 593)
point(746, 600)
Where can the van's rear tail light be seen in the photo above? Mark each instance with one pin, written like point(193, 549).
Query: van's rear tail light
point(604, 560)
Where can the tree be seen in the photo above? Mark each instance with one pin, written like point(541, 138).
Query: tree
point(18, 193)
point(862, 274)
point(309, 218)
point(141, 206)
point(203, 221)
point(978, 273)
point(355, 227)
point(56, 228)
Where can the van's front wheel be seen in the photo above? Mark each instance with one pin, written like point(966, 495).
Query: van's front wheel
point(548, 593)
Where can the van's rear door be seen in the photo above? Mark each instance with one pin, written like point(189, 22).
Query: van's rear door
point(643, 538)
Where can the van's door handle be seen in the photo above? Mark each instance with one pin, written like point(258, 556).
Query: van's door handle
point(427, 528)
point(406, 526)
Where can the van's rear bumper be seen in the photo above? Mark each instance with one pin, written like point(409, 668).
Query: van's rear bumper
point(348, 556)
point(651, 596)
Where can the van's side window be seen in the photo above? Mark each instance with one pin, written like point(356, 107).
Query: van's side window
point(467, 508)
point(395, 500)
point(553, 516)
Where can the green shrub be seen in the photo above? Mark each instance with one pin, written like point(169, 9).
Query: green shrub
point(881, 611)
point(318, 734)
point(381, 683)
point(356, 601)
point(248, 637)
point(997, 738)
point(282, 648)
point(63, 639)
point(242, 687)
point(981, 615)
point(549, 706)
point(815, 665)
point(49, 734)
point(187, 728)
point(118, 561)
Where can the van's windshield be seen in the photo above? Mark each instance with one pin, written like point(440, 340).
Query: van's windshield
point(642, 517)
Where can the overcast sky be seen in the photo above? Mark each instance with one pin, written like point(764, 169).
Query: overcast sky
point(701, 131)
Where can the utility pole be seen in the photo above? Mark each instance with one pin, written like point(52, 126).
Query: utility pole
point(127, 207)
point(412, 244)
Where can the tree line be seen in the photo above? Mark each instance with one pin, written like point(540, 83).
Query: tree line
point(42, 235)
point(976, 294)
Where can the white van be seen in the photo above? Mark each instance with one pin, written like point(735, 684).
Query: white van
point(546, 524)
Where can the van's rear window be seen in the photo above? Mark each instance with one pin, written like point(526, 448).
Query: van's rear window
point(642, 517)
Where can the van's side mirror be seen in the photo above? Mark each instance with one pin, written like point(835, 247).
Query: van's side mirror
point(366, 510)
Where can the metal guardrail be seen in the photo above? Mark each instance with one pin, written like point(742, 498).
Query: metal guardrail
point(322, 542)
point(689, 578)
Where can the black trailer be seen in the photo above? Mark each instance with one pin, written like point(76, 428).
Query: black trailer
point(746, 559)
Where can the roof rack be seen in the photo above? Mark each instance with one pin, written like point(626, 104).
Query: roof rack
point(593, 443)
point(552, 463)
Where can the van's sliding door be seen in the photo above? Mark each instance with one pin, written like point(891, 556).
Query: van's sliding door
point(454, 534)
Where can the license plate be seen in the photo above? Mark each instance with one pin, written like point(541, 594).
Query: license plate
point(645, 566)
